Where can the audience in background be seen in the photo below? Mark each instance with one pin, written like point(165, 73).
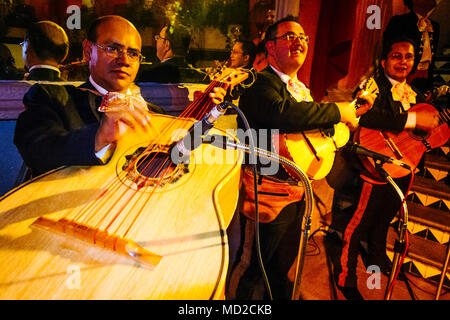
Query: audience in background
point(44, 48)
point(242, 54)
point(172, 48)
point(8, 70)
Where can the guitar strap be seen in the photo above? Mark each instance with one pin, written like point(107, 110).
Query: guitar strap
point(426, 144)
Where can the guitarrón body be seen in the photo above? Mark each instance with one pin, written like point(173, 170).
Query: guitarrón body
point(312, 151)
point(183, 220)
point(407, 146)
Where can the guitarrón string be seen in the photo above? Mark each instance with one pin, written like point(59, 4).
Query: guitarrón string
point(192, 111)
point(87, 215)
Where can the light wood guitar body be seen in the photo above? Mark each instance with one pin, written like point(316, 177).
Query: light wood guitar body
point(180, 222)
point(313, 151)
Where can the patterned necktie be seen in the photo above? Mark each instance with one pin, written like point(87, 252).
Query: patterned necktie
point(402, 92)
point(298, 90)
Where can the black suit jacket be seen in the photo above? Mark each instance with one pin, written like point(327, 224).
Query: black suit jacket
point(58, 126)
point(174, 70)
point(386, 114)
point(43, 74)
point(267, 104)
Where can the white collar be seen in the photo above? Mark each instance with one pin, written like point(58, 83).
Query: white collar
point(167, 59)
point(393, 81)
point(44, 66)
point(100, 89)
point(284, 77)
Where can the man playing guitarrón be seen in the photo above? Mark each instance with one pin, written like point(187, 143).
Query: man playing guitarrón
point(62, 125)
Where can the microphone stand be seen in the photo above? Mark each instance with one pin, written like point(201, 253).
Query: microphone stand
point(400, 243)
point(223, 142)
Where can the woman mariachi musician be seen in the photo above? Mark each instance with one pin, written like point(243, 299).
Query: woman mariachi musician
point(364, 208)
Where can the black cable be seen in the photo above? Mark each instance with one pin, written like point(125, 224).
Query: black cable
point(255, 183)
point(316, 247)
point(408, 285)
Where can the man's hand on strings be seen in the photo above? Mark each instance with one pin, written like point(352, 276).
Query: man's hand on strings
point(120, 111)
point(218, 95)
point(369, 98)
point(348, 114)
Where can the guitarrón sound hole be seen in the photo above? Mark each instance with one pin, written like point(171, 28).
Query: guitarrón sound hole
point(155, 165)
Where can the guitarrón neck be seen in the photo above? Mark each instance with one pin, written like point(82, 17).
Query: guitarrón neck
point(203, 104)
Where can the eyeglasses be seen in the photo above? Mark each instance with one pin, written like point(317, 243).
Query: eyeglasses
point(397, 56)
point(116, 52)
point(293, 37)
point(158, 37)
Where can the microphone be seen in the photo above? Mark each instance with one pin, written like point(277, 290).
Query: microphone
point(180, 150)
point(358, 149)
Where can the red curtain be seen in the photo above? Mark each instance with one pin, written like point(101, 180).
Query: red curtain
point(343, 48)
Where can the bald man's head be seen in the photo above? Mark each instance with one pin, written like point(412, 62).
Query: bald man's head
point(113, 51)
point(92, 33)
point(47, 41)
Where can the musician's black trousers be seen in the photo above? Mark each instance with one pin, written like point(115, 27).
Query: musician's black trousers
point(279, 246)
point(362, 212)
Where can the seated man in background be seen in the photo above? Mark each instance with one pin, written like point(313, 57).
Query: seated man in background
point(62, 124)
point(172, 47)
point(8, 69)
point(44, 48)
point(242, 54)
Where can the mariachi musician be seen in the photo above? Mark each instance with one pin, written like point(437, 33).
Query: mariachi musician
point(361, 207)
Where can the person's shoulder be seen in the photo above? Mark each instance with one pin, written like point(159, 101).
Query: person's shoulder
point(41, 92)
point(159, 72)
point(420, 96)
point(264, 75)
point(267, 77)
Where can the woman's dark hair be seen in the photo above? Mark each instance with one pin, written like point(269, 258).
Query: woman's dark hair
point(179, 38)
point(272, 30)
point(387, 48)
point(408, 3)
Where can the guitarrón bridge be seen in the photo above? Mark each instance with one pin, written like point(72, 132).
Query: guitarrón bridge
point(100, 238)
